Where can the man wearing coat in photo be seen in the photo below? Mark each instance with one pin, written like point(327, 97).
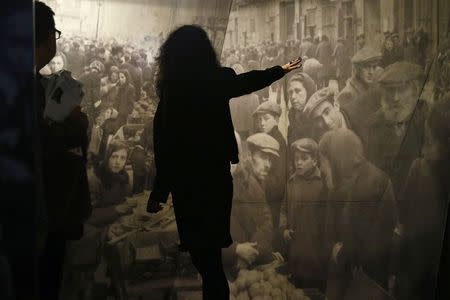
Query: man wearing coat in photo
point(365, 68)
point(267, 116)
point(395, 133)
point(362, 214)
point(251, 218)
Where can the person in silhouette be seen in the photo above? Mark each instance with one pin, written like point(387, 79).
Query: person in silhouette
point(62, 152)
point(194, 143)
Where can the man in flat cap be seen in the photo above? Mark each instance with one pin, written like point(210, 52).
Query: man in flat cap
point(325, 114)
point(396, 130)
point(267, 116)
point(251, 218)
point(303, 217)
point(365, 65)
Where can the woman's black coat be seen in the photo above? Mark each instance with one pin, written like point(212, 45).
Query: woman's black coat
point(194, 143)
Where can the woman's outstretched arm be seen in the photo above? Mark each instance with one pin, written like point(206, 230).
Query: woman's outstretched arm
point(246, 83)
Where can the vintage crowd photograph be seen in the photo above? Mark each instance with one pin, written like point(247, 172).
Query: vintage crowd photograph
point(338, 182)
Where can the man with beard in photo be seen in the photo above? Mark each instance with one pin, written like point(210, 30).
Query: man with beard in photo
point(396, 131)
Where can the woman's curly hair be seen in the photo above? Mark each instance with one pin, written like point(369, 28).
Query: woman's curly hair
point(187, 53)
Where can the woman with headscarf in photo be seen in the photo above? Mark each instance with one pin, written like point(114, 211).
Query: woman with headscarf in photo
point(125, 98)
point(194, 144)
point(109, 184)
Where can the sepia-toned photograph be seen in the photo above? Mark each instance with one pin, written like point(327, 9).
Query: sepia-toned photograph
point(337, 157)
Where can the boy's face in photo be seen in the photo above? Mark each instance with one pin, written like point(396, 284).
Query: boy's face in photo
point(304, 162)
point(267, 122)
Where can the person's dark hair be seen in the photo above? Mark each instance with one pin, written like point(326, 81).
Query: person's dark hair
point(115, 146)
point(127, 75)
point(186, 53)
point(147, 87)
point(343, 148)
point(103, 172)
point(44, 23)
point(116, 50)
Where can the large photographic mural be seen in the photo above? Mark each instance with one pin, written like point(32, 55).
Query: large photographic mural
point(338, 192)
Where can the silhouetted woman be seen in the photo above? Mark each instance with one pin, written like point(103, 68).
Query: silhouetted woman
point(194, 143)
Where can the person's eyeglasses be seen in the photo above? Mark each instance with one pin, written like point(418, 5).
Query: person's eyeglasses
point(57, 34)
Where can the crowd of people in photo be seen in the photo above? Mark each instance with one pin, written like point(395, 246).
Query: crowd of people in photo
point(119, 101)
point(333, 157)
point(338, 160)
